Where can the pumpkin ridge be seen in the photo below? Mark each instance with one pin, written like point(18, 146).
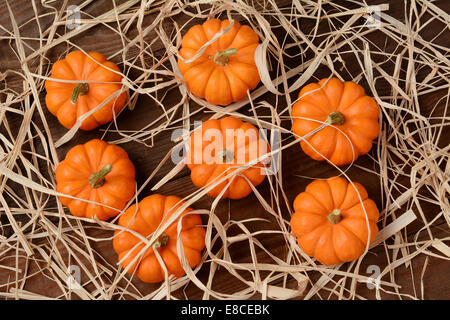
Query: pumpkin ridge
point(85, 75)
point(352, 105)
point(330, 194)
point(84, 204)
point(123, 157)
point(238, 25)
point(338, 153)
point(201, 63)
point(83, 58)
point(345, 196)
point(361, 136)
point(362, 133)
point(81, 174)
point(362, 94)
point(107, 184)
point(353, 234)
point(319, 90)
point(108, 192)
point(94, 166)
point(168, 212)
point(215, 177)
point(229, 84)
point(173, 248)
point(354, 237)
point(67, 93)
point(326, 94)
point(138, 215)
point(242, 29)
point(208, 38)
point(246, 63)
point(81, 108)
point(338, 205)
point(92, 197)
point(332, 134)
point(370, 222)
point(76, 195)
point(231, 63)
point(61, 113)
point(101, 198)
point(322, 234)
point(71, 69)
point(205, 83)
point(363, 197)
point(319, 202)
point(171, 230)
point(237, 76)
point(88, 103)
point(318, 226)
point(245, 47)
point(91, 169)
point(363, 217)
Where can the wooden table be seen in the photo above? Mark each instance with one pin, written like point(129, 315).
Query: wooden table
point(295, 164)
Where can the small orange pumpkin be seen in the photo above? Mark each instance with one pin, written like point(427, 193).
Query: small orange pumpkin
point(69, 101)
point(99, 172)
point(346, 107)
point(329, 220)
point(220, 147)
point(150, 213)
point(227, 69)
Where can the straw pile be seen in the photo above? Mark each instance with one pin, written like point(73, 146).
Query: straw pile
point(408, 75)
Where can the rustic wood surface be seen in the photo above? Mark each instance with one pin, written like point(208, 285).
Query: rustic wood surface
point(295, 164)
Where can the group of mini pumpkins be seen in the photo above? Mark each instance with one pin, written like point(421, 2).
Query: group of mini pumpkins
point(333, 220)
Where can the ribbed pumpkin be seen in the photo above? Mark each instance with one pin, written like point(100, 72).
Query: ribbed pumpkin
point(329, 220)
point(69, 101)
point(343, 105)
point(227, 69)
point(218, 148)
point(99, 172)
point(150, 213)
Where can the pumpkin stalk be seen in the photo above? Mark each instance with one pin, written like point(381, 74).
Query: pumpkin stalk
point(221, 57)
point(161, 241)
point(335, 216)
point(97, 179)
point(336, 118)
point(80, 90)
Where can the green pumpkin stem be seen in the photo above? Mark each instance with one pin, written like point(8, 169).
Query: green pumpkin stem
point(80, 90)
point(161, 241)
point(336, 118)
point(221, 57)
point(97, 179)
point(335, 216)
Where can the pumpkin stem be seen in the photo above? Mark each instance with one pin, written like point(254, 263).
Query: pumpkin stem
point(97, 179)
point(221, 57)
point(336, 117)
point(335, 216)
point(226, 155)
point(80, 90)
point(161, 241)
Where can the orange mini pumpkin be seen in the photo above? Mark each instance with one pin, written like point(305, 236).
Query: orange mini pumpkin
point(346, 107)
point(329, 221)
point(227, 69)
point(150, 213)
point(220, 147)
point(68, 101)
point(99, 172)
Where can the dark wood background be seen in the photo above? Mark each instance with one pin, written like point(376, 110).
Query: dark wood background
point(295, 162)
